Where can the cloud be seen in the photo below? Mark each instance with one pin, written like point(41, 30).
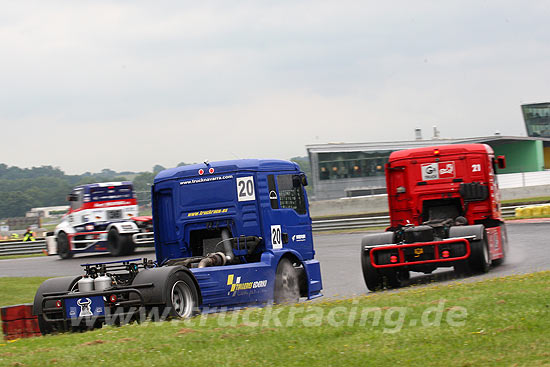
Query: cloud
point(179, 81)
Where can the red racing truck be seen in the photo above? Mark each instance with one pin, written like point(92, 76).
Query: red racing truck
point(444, 210)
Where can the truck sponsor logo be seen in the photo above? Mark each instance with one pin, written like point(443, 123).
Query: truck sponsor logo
point(237, 286)
point(436, 171)
point(206, 179)
point(208, 212)
point(298, 237)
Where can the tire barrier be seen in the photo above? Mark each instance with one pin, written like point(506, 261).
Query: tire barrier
point(532, 211)
point(19, 322)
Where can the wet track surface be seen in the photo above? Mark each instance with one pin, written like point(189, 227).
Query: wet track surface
point(340, 262)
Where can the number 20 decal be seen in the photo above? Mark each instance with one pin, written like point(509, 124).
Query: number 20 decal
point(245, 188)
point(476, 167)
point(276, 240)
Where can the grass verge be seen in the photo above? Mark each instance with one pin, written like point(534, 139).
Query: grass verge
point(14, 291)
point(501, 321)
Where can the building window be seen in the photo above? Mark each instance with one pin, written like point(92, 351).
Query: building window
point(537, 119)
point(340, 165)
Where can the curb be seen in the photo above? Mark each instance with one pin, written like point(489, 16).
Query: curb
point(19, 322)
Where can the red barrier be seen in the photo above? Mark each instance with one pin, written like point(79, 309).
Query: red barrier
point(19, 322)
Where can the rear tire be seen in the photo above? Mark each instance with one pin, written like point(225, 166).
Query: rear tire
point(63, 249)
point(287, 285)
point(182, 297)
point(117, 244)
point(373, 279)
point(480, 261)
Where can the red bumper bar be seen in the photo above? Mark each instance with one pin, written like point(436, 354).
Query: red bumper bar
point(437, 259)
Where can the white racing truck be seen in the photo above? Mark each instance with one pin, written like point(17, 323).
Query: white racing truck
point(102, 217)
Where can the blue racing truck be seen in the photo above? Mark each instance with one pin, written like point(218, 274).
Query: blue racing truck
point(227, 234)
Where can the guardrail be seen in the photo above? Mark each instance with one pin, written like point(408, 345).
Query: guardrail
point(22, 248)
point(38, 246)
point(380, 221)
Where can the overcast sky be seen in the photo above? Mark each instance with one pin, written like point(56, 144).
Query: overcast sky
point(87, 85)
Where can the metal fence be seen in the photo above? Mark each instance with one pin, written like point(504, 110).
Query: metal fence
point(39, 246)
point(380, 221)
point(22, 248)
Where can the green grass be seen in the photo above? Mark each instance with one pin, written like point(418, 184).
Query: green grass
point(534, 200)
point(507, 323)
point(14, 291)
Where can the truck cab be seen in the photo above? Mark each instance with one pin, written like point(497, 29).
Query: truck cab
point(254, 212)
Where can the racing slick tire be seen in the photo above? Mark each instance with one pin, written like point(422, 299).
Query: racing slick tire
point(182, 297)
point(287, 285)
point(480, 261)
point(373, 279)
point(119, 244)
point(63, 249)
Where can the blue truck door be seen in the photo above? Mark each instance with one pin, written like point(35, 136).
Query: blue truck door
point(290, 225)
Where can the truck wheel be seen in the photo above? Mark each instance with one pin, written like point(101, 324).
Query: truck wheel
point(479, 258)
point(287, 287)
point(117, 244)
point(182, 296)
point(63, 246)
point(373, 280)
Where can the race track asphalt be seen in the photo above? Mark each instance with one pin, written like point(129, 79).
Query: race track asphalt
point(339, 257)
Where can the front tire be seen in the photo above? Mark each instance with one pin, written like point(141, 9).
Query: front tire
point(117, 244)
point(287, 286)
point(63, 249)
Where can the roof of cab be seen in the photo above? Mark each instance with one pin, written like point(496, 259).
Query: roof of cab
point(443, 150)
point(104, 184)
point(230, 166)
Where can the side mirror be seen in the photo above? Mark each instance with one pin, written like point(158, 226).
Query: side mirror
point(299, 180)
point(304, 179)
point(501, 162)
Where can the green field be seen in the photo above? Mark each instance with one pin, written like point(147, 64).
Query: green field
point(14, 291)
point(501, 321)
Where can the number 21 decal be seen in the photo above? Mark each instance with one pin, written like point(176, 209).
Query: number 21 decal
point(476, 167)
point(245, 188)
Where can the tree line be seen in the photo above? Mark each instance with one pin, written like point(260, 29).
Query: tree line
point(24, 188)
